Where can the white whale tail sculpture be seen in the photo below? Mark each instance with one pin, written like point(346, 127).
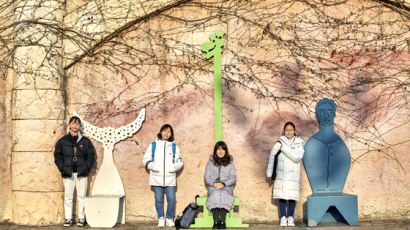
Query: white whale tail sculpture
point(106, 205)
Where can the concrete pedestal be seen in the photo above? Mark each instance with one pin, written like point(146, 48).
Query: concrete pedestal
point(332, 207)
point(105, 211)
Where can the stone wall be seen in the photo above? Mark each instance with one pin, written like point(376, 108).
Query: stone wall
point(38, 113)
point(5, 150)
point(279, 59)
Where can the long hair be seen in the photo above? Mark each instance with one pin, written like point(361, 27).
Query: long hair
point(226, 159)
point(164, 127)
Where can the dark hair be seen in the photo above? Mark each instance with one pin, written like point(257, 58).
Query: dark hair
point(164, 127)
point(75, 119)
point(226, 159)
point(291, 124)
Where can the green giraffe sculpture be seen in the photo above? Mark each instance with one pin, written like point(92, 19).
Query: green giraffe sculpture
point(214, 49)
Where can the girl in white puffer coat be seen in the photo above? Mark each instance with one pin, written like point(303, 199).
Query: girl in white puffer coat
point(287, 181)
point(163, 160)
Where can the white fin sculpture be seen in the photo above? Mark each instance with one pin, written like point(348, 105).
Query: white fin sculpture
point(106, 205)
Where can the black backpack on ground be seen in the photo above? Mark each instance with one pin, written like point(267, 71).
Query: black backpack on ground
point(188, 216)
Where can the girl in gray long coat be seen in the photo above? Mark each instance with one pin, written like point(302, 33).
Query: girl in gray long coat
point(220, 180)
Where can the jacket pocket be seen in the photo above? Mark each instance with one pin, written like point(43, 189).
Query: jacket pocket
point(155, 169)
point(170, 170)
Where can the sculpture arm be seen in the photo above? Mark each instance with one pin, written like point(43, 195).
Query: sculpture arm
point(92, 131)
point(124, 132)
point(294, 155)
point(273, 152)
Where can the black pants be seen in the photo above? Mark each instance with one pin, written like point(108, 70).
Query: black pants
point(219, 214)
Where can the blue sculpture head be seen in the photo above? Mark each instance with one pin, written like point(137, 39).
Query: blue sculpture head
point(326, 112)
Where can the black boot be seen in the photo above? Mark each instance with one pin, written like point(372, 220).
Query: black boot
point(215, 216)
point(222, 225)
point(222, 222)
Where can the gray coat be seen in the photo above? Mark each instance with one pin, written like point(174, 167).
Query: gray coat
point(222, 198)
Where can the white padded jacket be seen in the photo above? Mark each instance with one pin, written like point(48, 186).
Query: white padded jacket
point(287, 182)
point(162, 169)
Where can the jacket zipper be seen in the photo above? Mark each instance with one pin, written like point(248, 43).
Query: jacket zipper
point(219, 174)
point(165, 144)
point(284, 176)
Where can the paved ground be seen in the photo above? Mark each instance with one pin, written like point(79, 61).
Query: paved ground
point(377, 225)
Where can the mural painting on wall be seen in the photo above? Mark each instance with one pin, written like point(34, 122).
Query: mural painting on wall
point(109, 60)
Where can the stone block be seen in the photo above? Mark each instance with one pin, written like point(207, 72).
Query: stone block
point(35, 171)
point(31, 73)
point(39, 135)
point(38, 208)
point(38, 104)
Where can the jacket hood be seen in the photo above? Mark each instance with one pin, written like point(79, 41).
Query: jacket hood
point(295, 140)
point(159, 140)
point(78, 133)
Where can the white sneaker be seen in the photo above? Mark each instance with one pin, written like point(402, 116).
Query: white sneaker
point(291, 221)
point(283, 221)
point(170, 222)
point(161, 222)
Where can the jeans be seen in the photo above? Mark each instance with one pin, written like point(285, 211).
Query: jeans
point(282, 208)
point(159, 200)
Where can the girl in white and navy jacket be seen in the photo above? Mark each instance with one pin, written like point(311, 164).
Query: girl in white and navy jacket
point(287, 181)
point(163, 160)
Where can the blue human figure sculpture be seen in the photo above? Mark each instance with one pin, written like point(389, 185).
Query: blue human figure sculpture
point(327, 163)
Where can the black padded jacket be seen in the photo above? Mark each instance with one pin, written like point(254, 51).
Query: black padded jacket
point(64, 154)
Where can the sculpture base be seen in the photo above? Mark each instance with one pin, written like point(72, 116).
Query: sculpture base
point(207, 220)
point(105, 211)
point(332, 207)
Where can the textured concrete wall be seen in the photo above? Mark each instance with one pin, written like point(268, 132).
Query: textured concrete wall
point(168, 60)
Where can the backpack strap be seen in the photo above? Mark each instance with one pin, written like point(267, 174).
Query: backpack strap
point(154, 145)
point(174, 149)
